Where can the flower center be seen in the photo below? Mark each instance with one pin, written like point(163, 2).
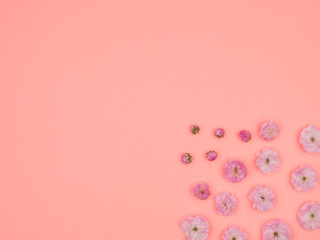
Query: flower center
point(202, 191)
point(312, 215)
point(195, 229)
point(267, 160)
point(275, 234)
point(304, 178)
point(262, 197)
point(235, 170)
point(234, 238)
point(313, 139)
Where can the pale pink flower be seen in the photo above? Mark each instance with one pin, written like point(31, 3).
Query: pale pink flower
point(276, 230)
point(235, 171)
point(267, 161)
point(245, 135)
point(211, 155)
point(304, 178)
point(234, 233)
point(201, 190)
point(309, 216)
point(186, 158)
point(310, 139)
point(262, 198)
point(226, 204)
point(195, 228)
point(269, 131)
point(219, 132)
point(195, 129)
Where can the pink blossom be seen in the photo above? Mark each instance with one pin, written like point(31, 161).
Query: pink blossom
point(195, 129)
point(276, 230)
point(226, 204)
point(245, 135)
point(269, 131)
point(267, 161)
point(235, 171)
point(186, 158)
point(211, 155)
point(195, 228)
point(304, 178)
point(309, 216)
point(262, 198)
point(234, 233)
point(201, 190)
point(310, 139)
point(219, 132)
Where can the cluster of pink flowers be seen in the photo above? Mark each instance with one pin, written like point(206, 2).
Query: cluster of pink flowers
point(303, 178)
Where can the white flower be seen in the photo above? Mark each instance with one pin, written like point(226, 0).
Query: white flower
point(234, 233)
point(310, 139)
point(195, 228)
point(304, 178)
point(267, 161)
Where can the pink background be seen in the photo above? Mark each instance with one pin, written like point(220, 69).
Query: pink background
point(96, 101)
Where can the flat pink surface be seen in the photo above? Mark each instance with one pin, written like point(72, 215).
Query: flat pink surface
point(97, 97)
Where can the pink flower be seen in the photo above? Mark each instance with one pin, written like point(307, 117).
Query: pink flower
point(310, 139)
point(245, 135)
point(195, 129)
point(195, 228)
point(211, 155)
point(276, 230)
point(219, 132)
point(201, 190)
point(267, 161)
point(304, 178)
point(186, 158)
point(234, 233)
point(226, 204)
point(235, 171)
point(269, 131)
point(262, 198)
point(309, 216)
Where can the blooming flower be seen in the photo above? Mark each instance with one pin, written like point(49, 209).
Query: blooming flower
point(234, 233)
point(195, 129)
point(195, 228)
point(310, 139)
point(309, 216)
point(267, 161)
point(304, 178)
point(262, 198)
point(245, 135)
point(276, 230)
point(186, 158)
point(219, 132)
point(235, 171)
point(201, 190)
point(269, 131)
point(226, 204)
point(211, 155)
